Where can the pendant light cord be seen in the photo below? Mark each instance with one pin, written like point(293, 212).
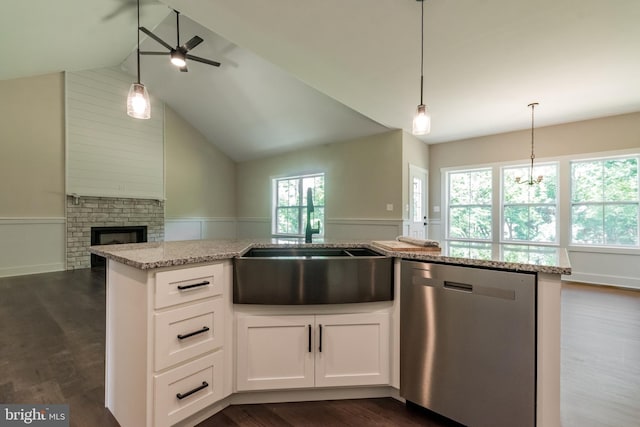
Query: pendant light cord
point(421, 50)
point(533, 105)
point(138, 49)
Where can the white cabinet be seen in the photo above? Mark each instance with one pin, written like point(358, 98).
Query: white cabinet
point(354, 349)
point(165, 342)
point(279, 352)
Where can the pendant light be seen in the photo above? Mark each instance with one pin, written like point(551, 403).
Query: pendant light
point(138, 104)
point(531, 181)
point(422, 119)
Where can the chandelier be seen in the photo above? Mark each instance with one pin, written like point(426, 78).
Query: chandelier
point(531, 180)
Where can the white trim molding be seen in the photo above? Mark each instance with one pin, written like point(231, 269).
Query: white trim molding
point(32, 245)
point(605, 267)
point(200, 228)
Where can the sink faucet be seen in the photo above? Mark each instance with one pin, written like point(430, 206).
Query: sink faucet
point(310, 231)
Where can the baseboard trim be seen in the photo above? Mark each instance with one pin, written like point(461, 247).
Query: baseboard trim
point(24, 270)
point(604, 280)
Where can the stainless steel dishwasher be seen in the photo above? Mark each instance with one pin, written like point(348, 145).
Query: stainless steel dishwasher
point(468, 343)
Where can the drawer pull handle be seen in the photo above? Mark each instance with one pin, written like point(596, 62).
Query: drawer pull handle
point(195, 285)
point(190, 392)
point(190, 334)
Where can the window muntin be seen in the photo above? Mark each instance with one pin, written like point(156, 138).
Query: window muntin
point(291, 204)
point(529, 212)
point(469, 204)
point(605, 202)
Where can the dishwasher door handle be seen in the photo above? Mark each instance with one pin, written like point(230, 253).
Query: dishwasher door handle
point(463, 287)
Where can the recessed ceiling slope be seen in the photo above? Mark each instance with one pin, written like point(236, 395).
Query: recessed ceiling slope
point(247, 107)
point(484, 60)
point(45, 36)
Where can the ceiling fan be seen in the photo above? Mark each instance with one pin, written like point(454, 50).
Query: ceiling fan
point(179, 54)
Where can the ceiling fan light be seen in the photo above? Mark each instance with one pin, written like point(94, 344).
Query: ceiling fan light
point(138, 104)
point(178, 58)
point(422, 121)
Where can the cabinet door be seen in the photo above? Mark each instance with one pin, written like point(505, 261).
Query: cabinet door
point(274, 352)
point(354, 349)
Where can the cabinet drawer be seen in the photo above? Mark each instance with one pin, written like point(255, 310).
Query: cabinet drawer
point(187, 332)
point(189, 284)
point(187, 389)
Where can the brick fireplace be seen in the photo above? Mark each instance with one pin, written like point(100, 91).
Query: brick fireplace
point(83, 213)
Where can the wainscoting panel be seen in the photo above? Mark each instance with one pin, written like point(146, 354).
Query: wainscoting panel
point(337, 228)
point(219, 228)
point(363, 228)
point(254, 228)
point(605, 268)
point(31, 245)
point(200, 228)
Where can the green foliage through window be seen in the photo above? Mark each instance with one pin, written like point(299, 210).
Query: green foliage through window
point(291, 204)
point(529, 211)
point(470, 195)
point(605, 202)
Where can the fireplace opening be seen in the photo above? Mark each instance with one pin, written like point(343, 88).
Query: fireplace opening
point(115, 236)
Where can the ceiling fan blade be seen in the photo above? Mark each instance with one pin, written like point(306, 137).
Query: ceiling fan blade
point(195, 41)
point(146, 52)
point(156, 38)
point(203, 60)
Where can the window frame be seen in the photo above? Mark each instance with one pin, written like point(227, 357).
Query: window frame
point(555, 205)
point(603, 203)
point(300, 206)
point(447, 204)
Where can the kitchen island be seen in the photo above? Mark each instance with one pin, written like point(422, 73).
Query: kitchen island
point(159, 291)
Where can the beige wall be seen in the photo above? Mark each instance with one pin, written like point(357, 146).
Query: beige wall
point(200, 179)
point(32, 146)
point(589, 136)
point(414, 152)
point(362, 177)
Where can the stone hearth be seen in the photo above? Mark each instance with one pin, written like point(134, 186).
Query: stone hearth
point(86, 212)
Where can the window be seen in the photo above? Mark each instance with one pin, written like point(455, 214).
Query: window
point(604, 201)
point(529, 211)
point(417, 199)
point(290, 204)
point(469, 204)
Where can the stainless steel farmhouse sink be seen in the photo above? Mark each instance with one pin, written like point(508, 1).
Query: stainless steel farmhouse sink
point(294, 276)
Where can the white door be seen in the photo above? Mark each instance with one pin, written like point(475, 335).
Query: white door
point(275, 352)
point(352, 349)
point(417, 202)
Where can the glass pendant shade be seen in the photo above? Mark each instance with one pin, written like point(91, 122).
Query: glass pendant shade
point(138, 104)
point(422, 121)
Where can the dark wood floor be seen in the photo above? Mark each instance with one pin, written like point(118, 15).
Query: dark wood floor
point(52, 329)
point(356, 413)
point(52, 351)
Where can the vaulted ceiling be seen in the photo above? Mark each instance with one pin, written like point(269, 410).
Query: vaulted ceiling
point(302, 72)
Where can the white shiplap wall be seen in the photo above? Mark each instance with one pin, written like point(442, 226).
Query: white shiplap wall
point(110, 154)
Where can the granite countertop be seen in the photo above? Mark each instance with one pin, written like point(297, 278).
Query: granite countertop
point(541, 259)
